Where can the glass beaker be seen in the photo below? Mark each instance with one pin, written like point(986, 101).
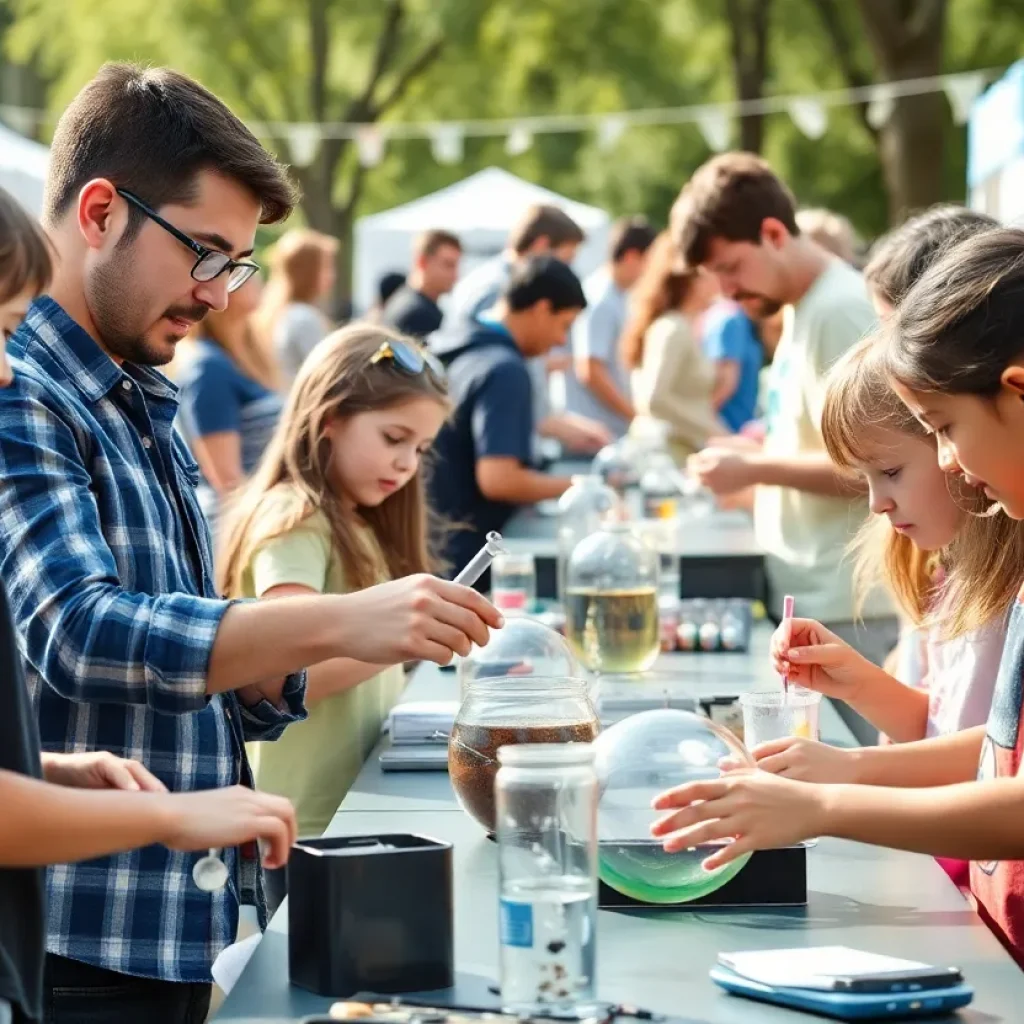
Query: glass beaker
point(546, 797)
point(505, 711)
point(611, 601)
point(513, 583)
point(582, 510)
point(776, 714)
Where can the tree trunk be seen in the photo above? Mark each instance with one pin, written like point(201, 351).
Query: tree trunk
point(748, 26)
point(907, 41)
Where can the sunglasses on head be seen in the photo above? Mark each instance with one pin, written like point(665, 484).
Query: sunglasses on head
point(408, 357)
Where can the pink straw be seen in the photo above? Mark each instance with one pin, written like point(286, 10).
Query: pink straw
point(787, 614)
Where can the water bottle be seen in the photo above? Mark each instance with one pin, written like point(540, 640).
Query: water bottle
point(546, 809)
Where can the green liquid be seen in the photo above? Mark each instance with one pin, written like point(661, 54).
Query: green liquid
point(643, 871)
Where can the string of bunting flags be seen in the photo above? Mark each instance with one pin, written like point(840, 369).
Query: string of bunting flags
point(809, 112)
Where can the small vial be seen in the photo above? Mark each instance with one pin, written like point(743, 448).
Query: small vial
point(687, 635)
point(709, 636)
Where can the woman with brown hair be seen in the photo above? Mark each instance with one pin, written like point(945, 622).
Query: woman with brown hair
point(289, 322)
point(229, 401)
point(671, 380)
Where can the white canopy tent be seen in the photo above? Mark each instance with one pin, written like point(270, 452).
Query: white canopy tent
point(481, 210)
point(23, 169)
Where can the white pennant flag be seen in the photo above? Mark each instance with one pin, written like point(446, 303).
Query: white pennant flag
point(962, 91)
point(370, 143)
point(880, 108)
point(610, 130)
point(446, 143)
point(714, 126)
point(303, 143)
point(519, 140)
point(810, 116)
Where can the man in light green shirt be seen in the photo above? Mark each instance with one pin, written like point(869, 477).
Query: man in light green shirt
point(736, 220)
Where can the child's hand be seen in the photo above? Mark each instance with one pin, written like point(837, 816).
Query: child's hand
point(760, 810)
point(800, 759)
point(813, 657)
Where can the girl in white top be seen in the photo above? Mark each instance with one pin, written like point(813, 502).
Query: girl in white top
point(953, 570)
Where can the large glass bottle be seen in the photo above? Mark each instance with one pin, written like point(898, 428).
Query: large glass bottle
point(547, 796)
point(611, 601)
point(582, 510)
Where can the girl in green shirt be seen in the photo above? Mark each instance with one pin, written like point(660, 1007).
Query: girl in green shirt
point(336, 505)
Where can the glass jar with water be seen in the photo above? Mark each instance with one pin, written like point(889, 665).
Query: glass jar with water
point(547, 796)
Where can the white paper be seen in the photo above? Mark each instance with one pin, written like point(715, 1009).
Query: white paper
point(811, 968)
point(228, 967)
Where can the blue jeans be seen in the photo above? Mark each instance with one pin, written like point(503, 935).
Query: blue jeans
point(77, 993)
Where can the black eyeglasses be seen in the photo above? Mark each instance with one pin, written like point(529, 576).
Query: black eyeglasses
point(409, 357)
point(209, 263)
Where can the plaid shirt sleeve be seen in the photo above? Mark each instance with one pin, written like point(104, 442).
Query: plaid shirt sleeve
point(263, 721)
point(84, 631)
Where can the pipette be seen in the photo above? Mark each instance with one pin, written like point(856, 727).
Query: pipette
point(481, 561)
point(787, 614)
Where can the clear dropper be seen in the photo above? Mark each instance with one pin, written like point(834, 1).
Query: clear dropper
point(481, 561)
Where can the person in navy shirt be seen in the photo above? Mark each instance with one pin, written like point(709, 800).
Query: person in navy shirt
point(730, 341)
point(482, 468)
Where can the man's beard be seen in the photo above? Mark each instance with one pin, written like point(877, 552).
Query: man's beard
point(120, 323)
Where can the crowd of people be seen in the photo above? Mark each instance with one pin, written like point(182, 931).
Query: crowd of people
point(208, 588)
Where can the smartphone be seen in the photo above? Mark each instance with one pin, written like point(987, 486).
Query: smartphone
point(924, 979)
point(848, 1005)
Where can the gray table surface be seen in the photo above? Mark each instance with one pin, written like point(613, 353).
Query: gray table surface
point(869, 898)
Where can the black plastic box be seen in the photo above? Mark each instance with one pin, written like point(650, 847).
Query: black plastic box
point(771, 878)
point(370, 913)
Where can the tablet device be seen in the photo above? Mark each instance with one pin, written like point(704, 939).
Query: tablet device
point(840, 1005)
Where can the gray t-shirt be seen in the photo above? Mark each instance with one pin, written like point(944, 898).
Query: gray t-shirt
point(300, 328)
point(596, 336)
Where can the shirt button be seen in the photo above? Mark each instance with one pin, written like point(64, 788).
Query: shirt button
point(126, 384)
point(147, 442)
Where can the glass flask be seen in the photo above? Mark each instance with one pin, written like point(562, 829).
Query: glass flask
point(504, 711)
point(611, 601)
point(546, 798)
point(582, 510)
point(522, 648)
point(661, 487)
point(636, 759)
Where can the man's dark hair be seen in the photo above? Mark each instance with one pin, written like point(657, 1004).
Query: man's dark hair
point(151, 131)
point(548, 222)
point(388, 284)
point(544, 277)
point(899, 258)
point(430, 241)
point(630, 234)
point(729, 197)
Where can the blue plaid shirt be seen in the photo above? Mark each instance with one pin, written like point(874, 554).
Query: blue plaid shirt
point(106, 557)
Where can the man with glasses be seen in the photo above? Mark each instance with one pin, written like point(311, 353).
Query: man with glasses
point(154, 195)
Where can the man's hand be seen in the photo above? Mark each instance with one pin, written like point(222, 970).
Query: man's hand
point(216, 818)
point(418, 618)
point(577, 433)
point(99, 770)
point(723, 470)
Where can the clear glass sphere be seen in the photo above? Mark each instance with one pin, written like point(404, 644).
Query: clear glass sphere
point(611, 600)
point(584, 508)
point(636, 759)
point(522, 648)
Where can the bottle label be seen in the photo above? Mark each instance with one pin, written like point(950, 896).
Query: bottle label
point(516, 924)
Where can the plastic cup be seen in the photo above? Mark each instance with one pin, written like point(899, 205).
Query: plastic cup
point(775, 714)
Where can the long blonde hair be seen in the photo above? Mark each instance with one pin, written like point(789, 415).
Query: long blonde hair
point(296, 266)
point(291, 482)
point(982, 565)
